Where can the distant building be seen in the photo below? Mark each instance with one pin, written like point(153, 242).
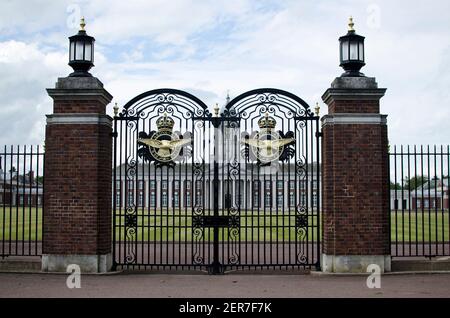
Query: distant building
point(400, 200)
point(22, 190)
point(246, 188)
point(434, 194)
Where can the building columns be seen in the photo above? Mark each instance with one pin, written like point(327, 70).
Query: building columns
point(355, 177)
point(78, 181)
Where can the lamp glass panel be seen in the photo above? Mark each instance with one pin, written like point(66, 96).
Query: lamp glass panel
point(361, 51)
point(92, 52)
point(344, 50)
point(353, 50)
point(79, 51)
point(88, 51)
point(72, 51)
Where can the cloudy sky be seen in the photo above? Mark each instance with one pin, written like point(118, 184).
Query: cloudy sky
point(210, 47)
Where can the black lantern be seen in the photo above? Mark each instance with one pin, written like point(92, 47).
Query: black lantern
point(81, 52)
point(352, 52)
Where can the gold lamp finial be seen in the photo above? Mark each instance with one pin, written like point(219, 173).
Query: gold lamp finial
point(216, 110)
point(82, 24)
point(351, 24)
point(116, 109)
point(317, 109)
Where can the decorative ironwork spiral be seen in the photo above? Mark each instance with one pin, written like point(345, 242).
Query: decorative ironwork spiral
point(302, 259)
point(197, 210)
point(198, 235)
point(300, 167)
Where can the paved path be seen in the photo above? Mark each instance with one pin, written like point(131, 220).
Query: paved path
point(240, 285)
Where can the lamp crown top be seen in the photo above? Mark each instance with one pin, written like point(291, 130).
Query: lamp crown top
point(351, 24)
point(82, 24)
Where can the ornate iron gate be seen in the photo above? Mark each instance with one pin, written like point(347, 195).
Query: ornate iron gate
point(237, 189)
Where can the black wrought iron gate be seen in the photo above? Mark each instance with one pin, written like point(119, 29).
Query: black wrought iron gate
point(238, 188)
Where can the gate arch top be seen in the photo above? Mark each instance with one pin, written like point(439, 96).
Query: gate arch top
point(269, 97)
point(167, 97)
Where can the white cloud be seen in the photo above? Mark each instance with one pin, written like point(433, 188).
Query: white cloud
point(208, 47)
point(26, 71)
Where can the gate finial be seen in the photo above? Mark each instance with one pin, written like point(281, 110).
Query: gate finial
point(317, 109)
point(216, 110)
point(82, 24)
point(116, 109)
point(351, 24)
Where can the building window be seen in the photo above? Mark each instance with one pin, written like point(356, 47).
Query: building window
point(152, 184)
point(396, 204)
point(130, 198)
point(256, 199)
point(188, 185)
point(141, 185)
point(164, 185)
point(418, 203)
point(314, 198)
point(291, 199)
point(153, 199)
point(130, 184)
point(404, 205)
point(176, 193)
point(426, 204)
point(141, 199)
point(164, 199)
point(118, 198)
point(198, 193)
point(280, 200)
point(21, 199)
point(188, 199)
point(39, 198)
point(280, 196)
point(267, 201)
point(303, 199)
point(267, 193)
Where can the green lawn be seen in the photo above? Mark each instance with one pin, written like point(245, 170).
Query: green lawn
point(264, 227)
point(16, 223)
point(20, 223)
point(427, 226)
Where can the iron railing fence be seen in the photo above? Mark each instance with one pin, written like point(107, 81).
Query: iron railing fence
point(21, 200)
point(419, 201)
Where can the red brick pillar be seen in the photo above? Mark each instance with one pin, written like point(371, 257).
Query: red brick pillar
point(355, 177)
point(77, 198)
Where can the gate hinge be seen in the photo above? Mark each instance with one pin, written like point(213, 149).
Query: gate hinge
point(319, 134)
point(114, 134)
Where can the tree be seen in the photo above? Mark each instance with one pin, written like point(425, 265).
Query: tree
point(395, 186)
point(415, 182)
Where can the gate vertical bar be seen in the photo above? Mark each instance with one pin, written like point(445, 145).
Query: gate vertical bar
point(114, 264)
